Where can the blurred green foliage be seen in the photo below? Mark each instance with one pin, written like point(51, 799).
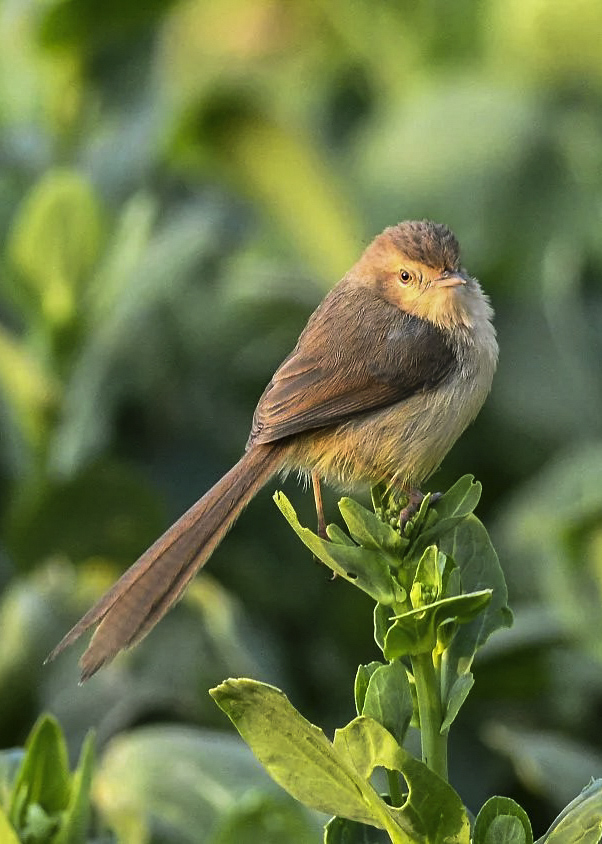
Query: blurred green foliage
point(180, 182)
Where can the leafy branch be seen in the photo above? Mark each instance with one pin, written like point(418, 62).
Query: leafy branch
point(440, 593)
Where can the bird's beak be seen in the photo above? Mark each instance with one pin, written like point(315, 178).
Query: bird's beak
point(450, 280)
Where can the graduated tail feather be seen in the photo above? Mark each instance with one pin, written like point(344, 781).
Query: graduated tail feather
point(142, 596)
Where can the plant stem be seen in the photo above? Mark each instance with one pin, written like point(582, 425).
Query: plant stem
point(434, 744)
point(395, 792)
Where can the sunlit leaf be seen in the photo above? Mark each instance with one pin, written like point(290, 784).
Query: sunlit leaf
point(580, 821)
point(448, 511)
point(368, 530)
point(296, 753)
point(432, 808)
point(55, 241)
point(365, 568)
point(7, 831)
point(415, 631)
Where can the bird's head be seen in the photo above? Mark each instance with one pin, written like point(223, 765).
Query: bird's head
point(416, 267)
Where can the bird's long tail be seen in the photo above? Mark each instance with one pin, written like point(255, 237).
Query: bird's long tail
point(145, 592)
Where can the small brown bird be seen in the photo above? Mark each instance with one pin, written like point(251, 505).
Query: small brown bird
point(388, 372)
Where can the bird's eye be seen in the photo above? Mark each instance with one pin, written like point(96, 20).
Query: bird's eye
point(405, 277)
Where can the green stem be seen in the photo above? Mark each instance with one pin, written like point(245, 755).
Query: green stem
point(395, 792)
point(434, 744)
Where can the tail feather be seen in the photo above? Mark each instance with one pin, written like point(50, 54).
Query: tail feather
point(146, 591)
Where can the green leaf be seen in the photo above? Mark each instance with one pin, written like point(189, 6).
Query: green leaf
point(502, 821)
point(344, 831)
point(456, 697)
point(43, 778)
point(369, 531)
point(433, 812)
point(382, 621)
point(460, 499)
point(38, 824)
point(7, 831)
point(336, 534)
point(427, 584)
point(296, 753)
point(365, 568)
point(581, 820)
point(54, 241)
point(388, 699)
point(265, 818)
point(416, 631)
point(362, 678)
point(471, 549)
point(186, 781)
point(74, 824)
point(445, 514)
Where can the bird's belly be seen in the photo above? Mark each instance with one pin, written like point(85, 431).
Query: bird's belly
point(405, 442)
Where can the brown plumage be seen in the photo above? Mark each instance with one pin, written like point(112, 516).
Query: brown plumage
point(390, 369)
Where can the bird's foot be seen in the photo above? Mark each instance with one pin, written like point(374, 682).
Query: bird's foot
point(415, 499)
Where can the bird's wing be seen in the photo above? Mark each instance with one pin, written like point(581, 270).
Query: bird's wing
point(356, 354)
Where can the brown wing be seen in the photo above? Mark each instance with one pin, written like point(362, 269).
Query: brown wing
point(358, 352)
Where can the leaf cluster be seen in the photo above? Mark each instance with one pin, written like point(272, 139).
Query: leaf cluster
point(41, 800)
point(439, 594)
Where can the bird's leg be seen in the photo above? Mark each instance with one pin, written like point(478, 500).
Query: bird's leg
point(315, 480)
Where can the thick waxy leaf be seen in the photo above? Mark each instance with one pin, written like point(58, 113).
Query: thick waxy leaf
point(432, 812)
point(470, 547)
point(7, 832)
point(383, 616)
point(366, 568)
point(46, 803)
point(416, 631)
point(457, 695)
point(43, 778)
point(362, 678)
point(388, 699)
point(296, 753)
point(581, 821)
point(502, 821)
point(370, 531)
point(447, 512)
point(427, 585)
point(335, 777)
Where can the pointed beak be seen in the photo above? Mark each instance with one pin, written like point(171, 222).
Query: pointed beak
point(450, 280)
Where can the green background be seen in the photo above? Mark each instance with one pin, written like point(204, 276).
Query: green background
point(180, 184)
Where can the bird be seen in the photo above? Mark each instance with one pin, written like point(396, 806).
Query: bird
point(392, 366)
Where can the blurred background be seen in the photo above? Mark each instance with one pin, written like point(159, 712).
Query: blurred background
point(180, 184)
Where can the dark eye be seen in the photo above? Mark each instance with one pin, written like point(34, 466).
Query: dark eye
point(404, 276)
